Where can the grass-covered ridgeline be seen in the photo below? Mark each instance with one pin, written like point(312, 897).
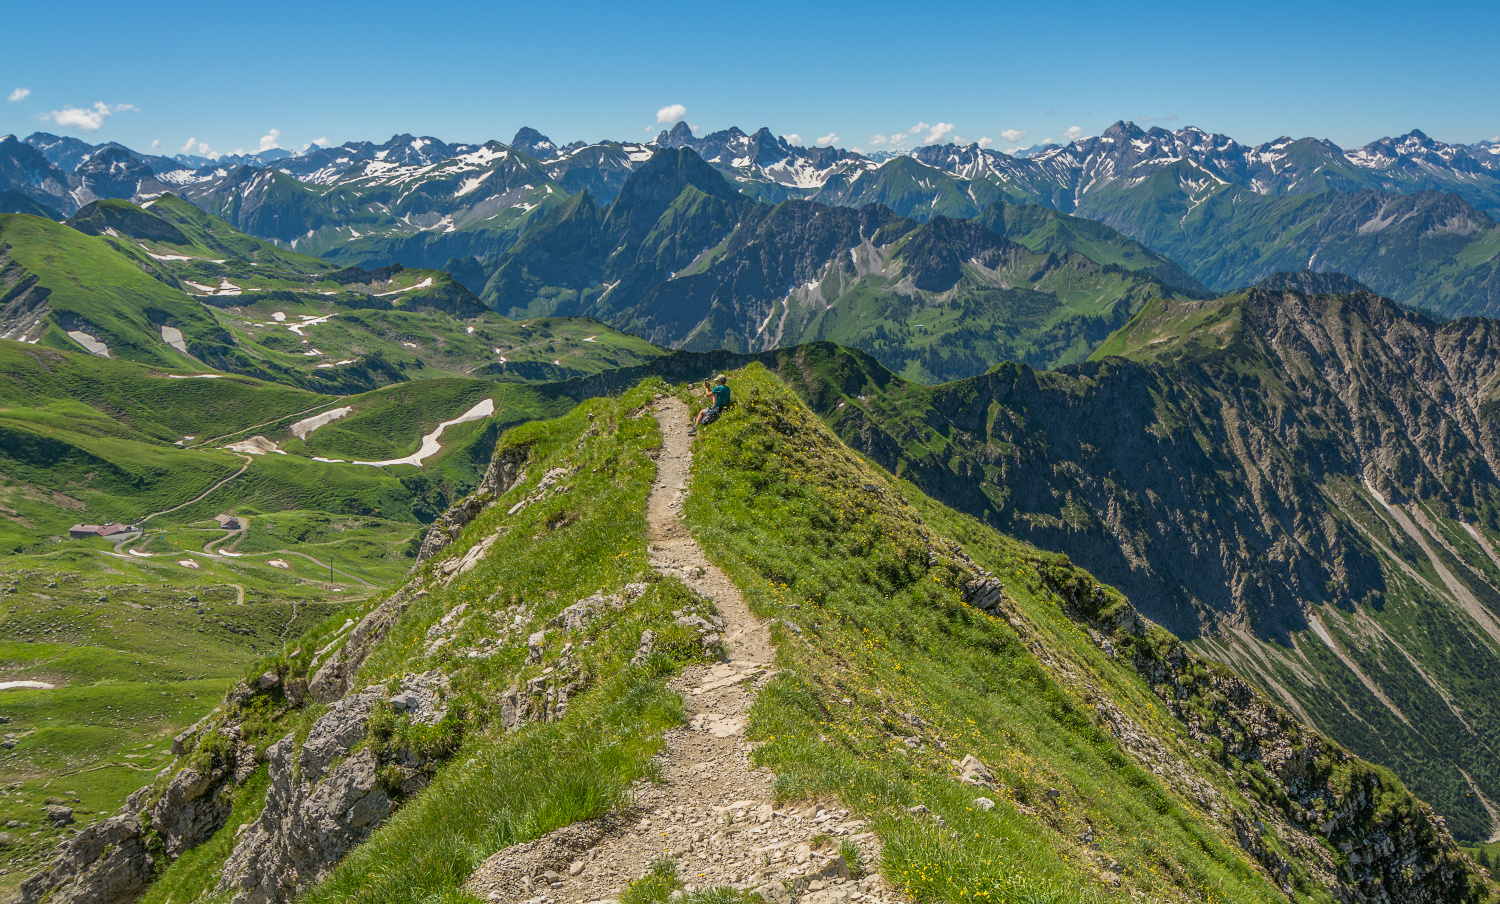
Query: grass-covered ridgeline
point(889, 678)
point(586, 535)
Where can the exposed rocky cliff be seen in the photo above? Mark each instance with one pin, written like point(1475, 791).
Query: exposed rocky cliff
point(1323, 815)
point(1307, 483)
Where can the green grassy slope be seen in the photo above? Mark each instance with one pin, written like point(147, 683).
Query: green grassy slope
point(88, 284)
point(1155, 469)
point(122, 273)
point(1121, 762)
point(877, 649)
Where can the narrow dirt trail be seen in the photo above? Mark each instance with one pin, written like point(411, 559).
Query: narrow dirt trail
point(711, 811)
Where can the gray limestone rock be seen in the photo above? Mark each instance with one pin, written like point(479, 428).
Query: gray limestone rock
point(106, 863)
point(332, 680)
point(320, 806)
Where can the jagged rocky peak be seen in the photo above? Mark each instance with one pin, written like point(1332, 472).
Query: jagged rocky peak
point(679, 135)
point(1310, 282)
point(530, 141)
point(662, 178)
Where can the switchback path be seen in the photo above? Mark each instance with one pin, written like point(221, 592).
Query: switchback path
point(205, 493)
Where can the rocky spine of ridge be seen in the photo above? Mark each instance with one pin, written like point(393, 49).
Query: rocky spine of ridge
point(1339, 818)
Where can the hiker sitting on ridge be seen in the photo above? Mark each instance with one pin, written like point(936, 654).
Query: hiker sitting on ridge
point(719, 392)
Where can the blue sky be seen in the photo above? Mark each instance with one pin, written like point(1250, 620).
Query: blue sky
point(232, 77)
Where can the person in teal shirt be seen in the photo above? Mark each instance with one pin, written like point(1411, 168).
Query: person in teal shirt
point(719, 392)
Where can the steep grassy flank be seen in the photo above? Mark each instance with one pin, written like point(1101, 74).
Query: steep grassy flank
point(1049, 231)
point(139, 649)
point(156, 403)
point(87, 284)
point(500, 788)
point(1373, 623)
point(890, 678)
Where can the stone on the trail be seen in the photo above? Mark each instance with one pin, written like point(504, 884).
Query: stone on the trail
point(974, 772)
point(764, 814)
point(984, 803)
point(774, 893)
point(919, 809)
point(835, 868)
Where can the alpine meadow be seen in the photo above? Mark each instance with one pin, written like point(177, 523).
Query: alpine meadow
point(713, 516)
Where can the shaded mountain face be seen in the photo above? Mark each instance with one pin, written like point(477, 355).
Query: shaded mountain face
point(681, 259)
point(1309, 282)
point(1305, 484)
point(1430, 250)
point(29, 174)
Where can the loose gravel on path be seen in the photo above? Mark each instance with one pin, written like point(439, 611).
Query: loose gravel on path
point(710, 809)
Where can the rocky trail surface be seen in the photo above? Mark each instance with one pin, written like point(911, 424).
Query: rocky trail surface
point(710, 810)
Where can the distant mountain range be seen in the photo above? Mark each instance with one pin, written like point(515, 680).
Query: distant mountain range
point(1409, 216)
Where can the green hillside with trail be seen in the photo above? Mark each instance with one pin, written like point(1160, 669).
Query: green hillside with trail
point(949, 714)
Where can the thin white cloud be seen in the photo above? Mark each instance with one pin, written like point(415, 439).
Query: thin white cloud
point(938, 132)
point(826, 140)
point(1013, 134)
point(671, 113)
point(85, 119)
point(793, 138)
point(693, 126)
point(985, 142)
point(877, 140)
point(19, 95)
point(268, 141)
point(919, 127)
point(156, 142)
point(197, 148)
point(1074, 133)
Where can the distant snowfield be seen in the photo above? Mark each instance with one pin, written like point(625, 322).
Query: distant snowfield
point(94, 346)
point(431, 443)
point(302, 428)
point(424, 284)
point(173, 337)
point(26, 685)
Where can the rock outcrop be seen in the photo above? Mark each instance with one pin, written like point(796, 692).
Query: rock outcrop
point(110, 861)
point(325, 800)
point(332, 678)
point(505, 471)
point(107, 862)
point(198, 799)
